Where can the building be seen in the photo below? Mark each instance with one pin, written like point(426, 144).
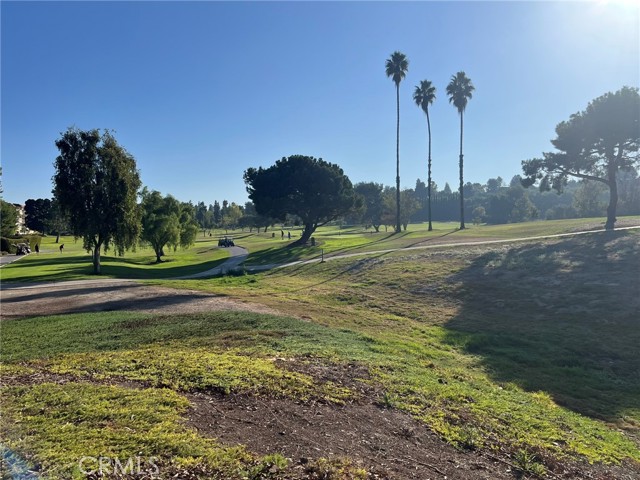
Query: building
point(21, 226)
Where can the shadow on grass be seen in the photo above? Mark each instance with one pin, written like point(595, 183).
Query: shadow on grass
point(560, 317)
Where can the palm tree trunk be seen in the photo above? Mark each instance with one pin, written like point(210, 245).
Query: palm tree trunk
point(429, 172)
point(462, 227)
point(398, 229)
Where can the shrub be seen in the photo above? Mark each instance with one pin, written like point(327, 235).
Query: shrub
point(7, 246)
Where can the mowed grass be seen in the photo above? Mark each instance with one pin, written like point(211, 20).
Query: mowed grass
point(267, 248)
point(527, 347)
point(74, 263)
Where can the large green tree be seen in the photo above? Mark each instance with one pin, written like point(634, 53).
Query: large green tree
point(8, 219)
point(396, 67)
point(424, 95)
point(595, 144)
point(373, 203)
point(95, 184)
point(166, 222)
point(38, 214)
point(460, 91)
point(314, 190)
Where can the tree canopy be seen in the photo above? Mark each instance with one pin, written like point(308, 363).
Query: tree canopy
point(38, 214)
point(595, 144)
point(166, 221)
point(8, 219)
point(310, 188)
point(96, 184)
point(373, 203)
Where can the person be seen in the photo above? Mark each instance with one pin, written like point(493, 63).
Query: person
point(61, 247)
point(37, 249)
point(289, 235)
point(282, 234)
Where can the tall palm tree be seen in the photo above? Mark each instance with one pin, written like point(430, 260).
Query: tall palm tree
point(396, 68)
point(460, 90)
point(424, 95)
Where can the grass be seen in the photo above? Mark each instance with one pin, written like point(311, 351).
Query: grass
point(526, 349)
point(75, 264)
point(64, 423)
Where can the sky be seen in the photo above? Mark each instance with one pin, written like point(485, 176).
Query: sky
point(198, 92)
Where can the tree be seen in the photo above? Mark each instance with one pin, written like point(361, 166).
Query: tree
point(447, 189)
point(494, 185)
point(232, 215)
point(373, 203)
point(8, 219)
point(424, 95)
point(595, 144)
point(478, 215)
point(217, 215)
point(396, 67)
point(166, 221)
point(629, 191)
point(204, 217)
point(587, 200)
point(59, 220)
point(38, 214)
point(96, 184)
point(460, 90)
point(310, 188)
point(409, 206)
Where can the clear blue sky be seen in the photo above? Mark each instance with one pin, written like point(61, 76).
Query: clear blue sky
point(198, 92)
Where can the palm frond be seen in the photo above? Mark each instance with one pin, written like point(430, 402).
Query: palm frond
point(460, 90)
point(397, 66)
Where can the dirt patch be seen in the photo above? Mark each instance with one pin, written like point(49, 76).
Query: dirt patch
point(74, 297)
point(387, 443)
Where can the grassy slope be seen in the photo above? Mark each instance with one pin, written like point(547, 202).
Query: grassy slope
point(530, 347)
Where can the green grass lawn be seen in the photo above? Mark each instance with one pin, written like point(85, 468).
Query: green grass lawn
point(74, 263)
point(527, 347)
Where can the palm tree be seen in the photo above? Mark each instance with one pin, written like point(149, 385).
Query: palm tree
point(424, 95)
point(396, 68)
point(460, 90)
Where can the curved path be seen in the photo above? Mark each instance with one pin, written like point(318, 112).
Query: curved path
point(237, 256)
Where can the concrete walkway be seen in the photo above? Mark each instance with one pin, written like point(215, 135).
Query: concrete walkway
point(237, 256)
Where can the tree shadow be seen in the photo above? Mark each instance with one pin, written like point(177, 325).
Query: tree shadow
point(560, 317)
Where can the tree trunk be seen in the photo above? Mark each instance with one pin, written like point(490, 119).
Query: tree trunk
point(462, 227)
point(613, 196)
point(309, 228)
point(96, 258)
point(58, 237)
point(398, 158)
point(429, 172)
